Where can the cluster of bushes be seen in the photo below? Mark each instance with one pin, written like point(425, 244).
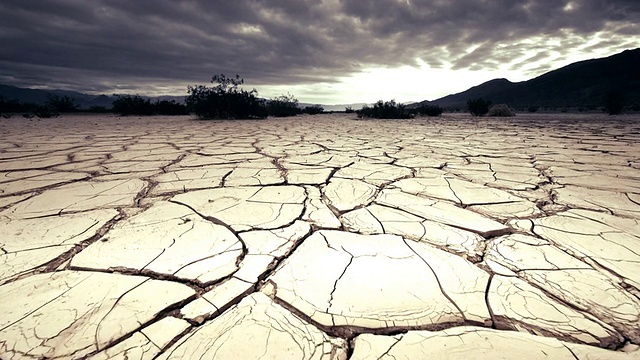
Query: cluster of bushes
point(500, 110)
point(136, 105)
point(226, 100)
point(393, 110)
point(428, 110)
point(614, 102)
point(481, 107)
point(283, 106)
point(123, 105)
point(478, 107)
point(313, 110)
point(52, 108)
point(385, 110)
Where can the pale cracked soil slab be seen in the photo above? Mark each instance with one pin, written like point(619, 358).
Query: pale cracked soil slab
point(474, 343)
point(23, 181)
point(71, 314)
point(577, 283)
point(377, 219)
point(516, 305)
point(75, 197)
point(28, 244)
point(320, 237)
point(257, 328)
point(146, 343)
point(248, 208)
point(609, 241)
point(168, 239)
point(369, 283)
point(347, 194)
point(441, 211)
point(489, 201)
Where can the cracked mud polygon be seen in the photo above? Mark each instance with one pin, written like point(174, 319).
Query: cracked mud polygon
point(320, 237)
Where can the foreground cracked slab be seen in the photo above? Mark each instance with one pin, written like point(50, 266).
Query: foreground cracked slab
point(146, 343)
point(320, 237)
point(75, 197)
point(257, 328)
point(377, 219)
point(29, 244)
point(167, 239)
point(247, 208)
point(474, 343)
point(577, 283)
point(367, 286)
point(442, 212)
point(609, 241)
point(71, 314)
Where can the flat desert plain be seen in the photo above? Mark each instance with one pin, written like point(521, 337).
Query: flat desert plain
point(320, 237)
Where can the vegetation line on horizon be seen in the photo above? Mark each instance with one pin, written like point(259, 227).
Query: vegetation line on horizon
point(226, 100)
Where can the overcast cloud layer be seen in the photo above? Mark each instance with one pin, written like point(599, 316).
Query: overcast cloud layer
point(315, 47)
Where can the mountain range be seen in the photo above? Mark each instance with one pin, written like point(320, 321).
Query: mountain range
point(84, 101)
point(581, 84)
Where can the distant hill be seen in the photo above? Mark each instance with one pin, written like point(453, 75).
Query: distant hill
point(581, 84)
point(40, 97)
point(85, 101)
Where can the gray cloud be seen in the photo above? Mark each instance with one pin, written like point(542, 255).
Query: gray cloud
point(121, 45)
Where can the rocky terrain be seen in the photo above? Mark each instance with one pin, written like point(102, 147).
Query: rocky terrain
point(320, 237)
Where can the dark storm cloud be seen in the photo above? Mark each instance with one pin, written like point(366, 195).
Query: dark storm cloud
point(108, 45)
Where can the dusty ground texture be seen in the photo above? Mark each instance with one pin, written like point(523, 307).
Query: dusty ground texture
point(320, 237)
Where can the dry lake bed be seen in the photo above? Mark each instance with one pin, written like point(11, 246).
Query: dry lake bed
point(320, 237)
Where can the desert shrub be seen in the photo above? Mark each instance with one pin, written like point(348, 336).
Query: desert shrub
point(44, 112)
point(13, 106)
point(313, 110)
point(429, 110)
point(136, 105)
point(614, 102)
point(500, 110)
point(132, 105)
point(349, 110)
point(478, 107)
point(225, 100)
point(98, 109)
point(533, 108)
point(166, 107)
point(62, 104)
point(385, 110)
point(283, 105)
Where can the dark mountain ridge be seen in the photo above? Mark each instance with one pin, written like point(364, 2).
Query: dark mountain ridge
point(581, 84)
point(84, 101)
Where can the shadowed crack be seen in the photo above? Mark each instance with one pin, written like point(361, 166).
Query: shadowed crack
point(335, 284)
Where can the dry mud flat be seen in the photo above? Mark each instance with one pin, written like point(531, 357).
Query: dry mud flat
point(320, 237)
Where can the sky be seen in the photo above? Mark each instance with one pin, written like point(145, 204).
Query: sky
point(320, 51)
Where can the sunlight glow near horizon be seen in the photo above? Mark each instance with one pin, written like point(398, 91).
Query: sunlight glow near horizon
point(403, 84)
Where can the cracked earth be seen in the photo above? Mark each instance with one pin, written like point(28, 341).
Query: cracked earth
point(320, 237)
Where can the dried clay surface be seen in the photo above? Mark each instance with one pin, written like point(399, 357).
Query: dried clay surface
point(320, 237)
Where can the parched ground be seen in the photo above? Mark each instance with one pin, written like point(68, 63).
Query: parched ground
point(320, 237)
